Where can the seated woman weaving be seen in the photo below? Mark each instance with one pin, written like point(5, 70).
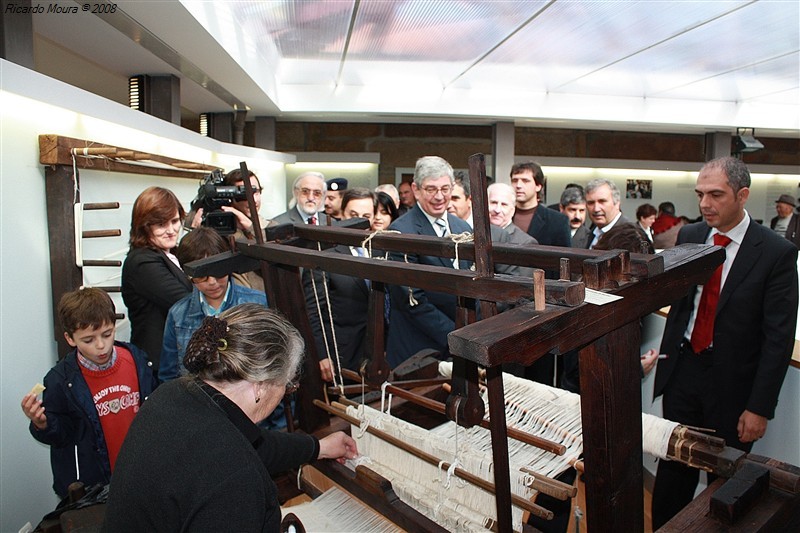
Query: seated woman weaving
point(194, 460)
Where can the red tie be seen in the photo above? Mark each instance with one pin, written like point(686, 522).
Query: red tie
point(703, 332)
point(312, 220)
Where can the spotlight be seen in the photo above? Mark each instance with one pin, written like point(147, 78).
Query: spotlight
point(745, 141)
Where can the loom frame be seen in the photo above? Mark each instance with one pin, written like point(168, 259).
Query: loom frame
point(609, 346)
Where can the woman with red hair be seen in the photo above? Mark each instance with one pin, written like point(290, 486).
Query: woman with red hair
point(152, 279)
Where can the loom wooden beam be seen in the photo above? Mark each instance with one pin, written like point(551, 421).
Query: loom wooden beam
point(377, 368)
point(536, 256)
point(65, 275)
point(339, 410)
point(289, 298)
point(522, 334)
point(221, 265)
point(377, 492)
point(441, 279)
point(57, 150)
point(776, 511)
point(612, 431)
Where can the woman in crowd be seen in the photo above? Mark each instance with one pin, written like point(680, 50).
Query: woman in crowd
point(194, 459)
point(385, 211)
point(152, 279)
point(645, 216)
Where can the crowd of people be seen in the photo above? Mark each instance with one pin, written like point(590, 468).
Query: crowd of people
point(225, 361)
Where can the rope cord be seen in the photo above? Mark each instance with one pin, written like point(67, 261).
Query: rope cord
point(460, 238)
point(338, 380)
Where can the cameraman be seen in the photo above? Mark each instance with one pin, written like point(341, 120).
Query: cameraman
point(244, 223)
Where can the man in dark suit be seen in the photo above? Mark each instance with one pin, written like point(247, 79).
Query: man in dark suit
point(602, 204)
point(573, 204)
point(787, 223)
point(309, 194)
point(426, 321)
point(547, 226)
point(340, 298)
point(726, 360)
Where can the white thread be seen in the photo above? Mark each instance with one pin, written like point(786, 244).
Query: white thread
point(655, 435)
point(336, 369)
point(383, 395)
point(77, 465)
point(412, 302)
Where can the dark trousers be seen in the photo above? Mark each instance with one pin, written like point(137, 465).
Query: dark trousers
point(690, 400)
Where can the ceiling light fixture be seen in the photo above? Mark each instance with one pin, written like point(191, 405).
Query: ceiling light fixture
point(745, 141)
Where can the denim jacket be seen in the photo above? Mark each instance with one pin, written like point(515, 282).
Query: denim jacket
point(185, 317)
point(73, 431)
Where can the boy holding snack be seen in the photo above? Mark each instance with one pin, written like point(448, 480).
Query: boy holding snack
point(91, 396)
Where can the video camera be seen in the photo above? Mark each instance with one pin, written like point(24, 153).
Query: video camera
point(211, 196)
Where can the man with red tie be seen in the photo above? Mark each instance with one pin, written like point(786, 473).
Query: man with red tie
point(728, 343)
point(309, 194)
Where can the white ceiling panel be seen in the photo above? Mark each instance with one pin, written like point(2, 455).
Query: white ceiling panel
point(737, 41)
point(680, 65)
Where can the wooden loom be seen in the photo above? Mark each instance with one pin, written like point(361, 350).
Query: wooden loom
point(558, 320)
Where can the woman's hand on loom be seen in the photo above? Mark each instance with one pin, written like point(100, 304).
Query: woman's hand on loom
point(339, 446)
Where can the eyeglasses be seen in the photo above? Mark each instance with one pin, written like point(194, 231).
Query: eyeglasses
point(432, 191)
point(291, 387)
point(203, 279)
point(316, 193)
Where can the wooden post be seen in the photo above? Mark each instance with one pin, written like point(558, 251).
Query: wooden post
point(291, 301)
point(65, 275)
point(611, 413)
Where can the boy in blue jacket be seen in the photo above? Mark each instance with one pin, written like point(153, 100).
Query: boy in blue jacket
point(90, 396)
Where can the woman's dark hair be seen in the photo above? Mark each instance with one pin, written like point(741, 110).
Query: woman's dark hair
point(644, 211)
point(155, 205)
point(625, 237)
point(247, 342)
point(235, 176)
point(386, 201)
point(201, 242)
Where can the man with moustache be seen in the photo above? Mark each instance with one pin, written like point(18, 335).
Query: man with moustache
point(461, 199)
point(730, 341)
point(573, 204)
point(602, 203)
point(333, 197)
point(308, 191)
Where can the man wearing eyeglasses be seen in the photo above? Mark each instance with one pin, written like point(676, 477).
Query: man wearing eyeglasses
point(425, 321)
point(309, 194)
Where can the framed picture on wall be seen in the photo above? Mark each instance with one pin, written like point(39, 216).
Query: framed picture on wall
point(639, 189)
